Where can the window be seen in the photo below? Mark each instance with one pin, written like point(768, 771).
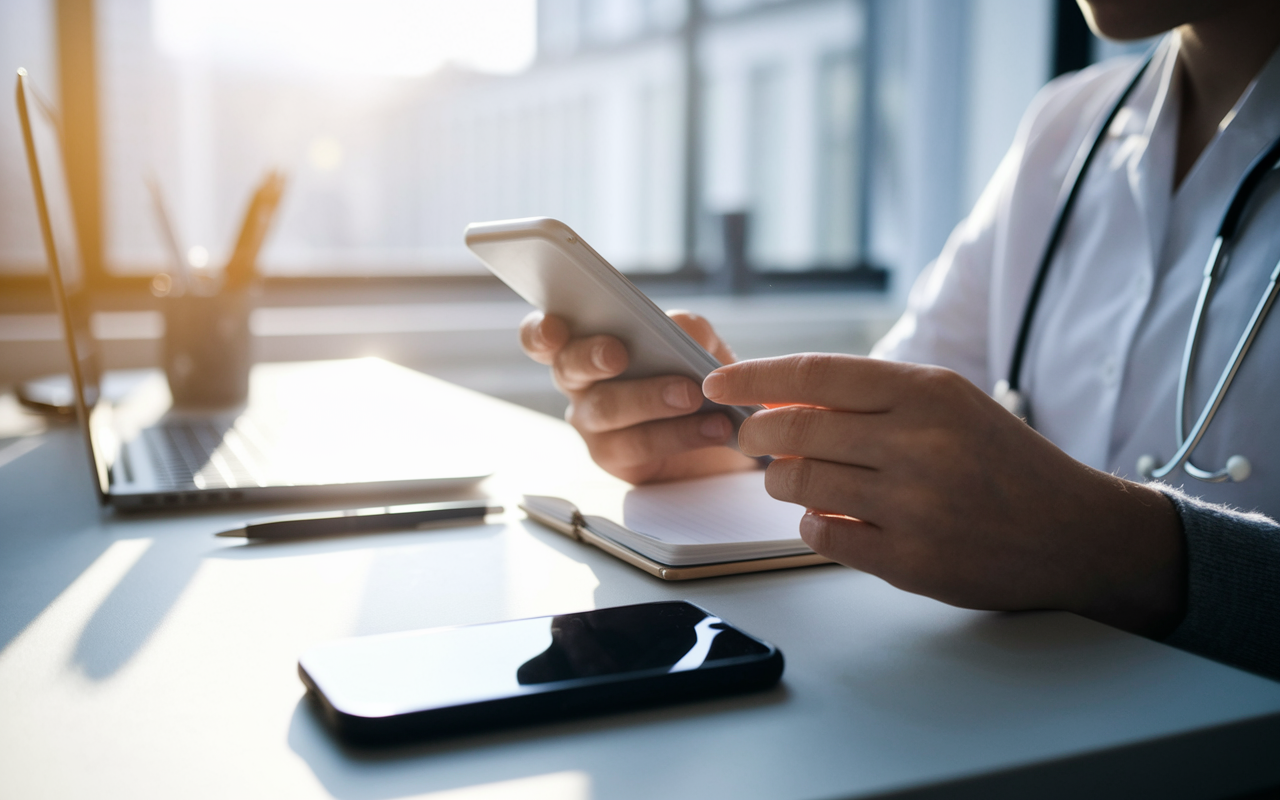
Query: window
point(26, 40)
point(839, 212)
point(395, 133)
point(351, 99)
point(397, 126)
point(776, 146)
point(767, 165)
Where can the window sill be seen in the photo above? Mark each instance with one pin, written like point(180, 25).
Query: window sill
point(470, 342)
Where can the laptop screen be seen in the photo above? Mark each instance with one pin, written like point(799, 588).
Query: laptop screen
point(49, 179)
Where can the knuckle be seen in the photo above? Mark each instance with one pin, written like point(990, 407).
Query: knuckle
point(795, 429)
point(934, 446)
point(563, 378)
point(534, 345)
point(789, 479)
point(800, 478)
point(820, 535)
point(598, 408)
point(634, 445)
point(749, 439)
point(563, 387)
point(624, 448)
point(570, 366)
point(812, 369)
point(936, 382)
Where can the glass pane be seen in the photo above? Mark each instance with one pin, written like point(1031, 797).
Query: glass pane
point(400, 121)
point(374, 109)
point(26, 40)
point(782, 120)
point(768, 166)
point(840, 103)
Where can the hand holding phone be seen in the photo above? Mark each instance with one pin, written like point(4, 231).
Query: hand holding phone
point(632, 374)
point(641, 430)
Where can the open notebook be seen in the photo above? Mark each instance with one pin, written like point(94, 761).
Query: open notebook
point(689, 529)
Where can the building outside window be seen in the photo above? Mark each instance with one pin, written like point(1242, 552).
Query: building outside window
point(847, 133)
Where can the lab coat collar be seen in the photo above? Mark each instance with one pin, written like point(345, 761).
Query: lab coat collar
point(1254, 121)
point(1251, 126)
point(1148, 143)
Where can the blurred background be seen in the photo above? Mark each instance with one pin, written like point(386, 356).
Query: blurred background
point(785, 167)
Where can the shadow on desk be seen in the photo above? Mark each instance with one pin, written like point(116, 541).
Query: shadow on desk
point(44, 549)
point(137, 604)
point(154, 572)
point(70, 547)
point(352, 773)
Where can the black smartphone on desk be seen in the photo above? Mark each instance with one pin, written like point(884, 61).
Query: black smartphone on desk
point(449, 681)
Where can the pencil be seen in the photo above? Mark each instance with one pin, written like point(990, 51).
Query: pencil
point(243, 265)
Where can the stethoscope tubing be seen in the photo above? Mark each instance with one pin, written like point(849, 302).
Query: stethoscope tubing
point(1009, 390)
point(1186, 447)
point(1079, 166)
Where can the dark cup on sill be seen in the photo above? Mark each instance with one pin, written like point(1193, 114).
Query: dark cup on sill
point(206, 348)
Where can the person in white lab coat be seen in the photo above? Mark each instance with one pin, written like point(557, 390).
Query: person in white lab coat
point(912, 472)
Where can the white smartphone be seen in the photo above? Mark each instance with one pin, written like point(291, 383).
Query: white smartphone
point(552, 268)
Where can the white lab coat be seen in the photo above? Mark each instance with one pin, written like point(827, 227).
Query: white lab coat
point(1101, 368)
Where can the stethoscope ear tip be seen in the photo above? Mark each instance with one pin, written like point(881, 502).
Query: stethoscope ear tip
point(1146, 466)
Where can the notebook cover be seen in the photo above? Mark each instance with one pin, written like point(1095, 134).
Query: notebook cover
point(581, 533)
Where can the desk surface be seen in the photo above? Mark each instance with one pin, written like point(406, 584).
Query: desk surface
point(141, 657)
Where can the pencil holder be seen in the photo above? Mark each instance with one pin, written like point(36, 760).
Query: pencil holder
point(206, 348)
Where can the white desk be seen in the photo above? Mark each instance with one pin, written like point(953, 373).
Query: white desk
point(141, 657)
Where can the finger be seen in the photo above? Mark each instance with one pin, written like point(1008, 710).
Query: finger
point(700, 329)
point(846, 437)
point(582, 362)
point(542, 336)
point(852, 542)
point(850, 383)
point(829, 488)
point(654, 441)
point(613, 405)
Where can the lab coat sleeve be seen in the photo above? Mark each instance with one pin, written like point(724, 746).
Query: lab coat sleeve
point(1233, 585)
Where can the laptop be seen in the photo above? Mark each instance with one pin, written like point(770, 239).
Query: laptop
point(309, 431)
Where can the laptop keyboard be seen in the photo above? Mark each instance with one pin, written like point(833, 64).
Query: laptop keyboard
point(206, 454)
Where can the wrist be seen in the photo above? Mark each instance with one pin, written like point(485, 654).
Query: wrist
point(1140, 583)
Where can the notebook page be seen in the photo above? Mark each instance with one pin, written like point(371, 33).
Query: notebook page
point(723, 509)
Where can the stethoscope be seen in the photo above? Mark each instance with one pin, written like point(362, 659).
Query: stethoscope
point(1237, 468)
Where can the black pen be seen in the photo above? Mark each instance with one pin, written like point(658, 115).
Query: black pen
point(362, 520)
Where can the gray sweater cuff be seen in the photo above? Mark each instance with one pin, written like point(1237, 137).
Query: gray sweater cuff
point(1233, 585)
